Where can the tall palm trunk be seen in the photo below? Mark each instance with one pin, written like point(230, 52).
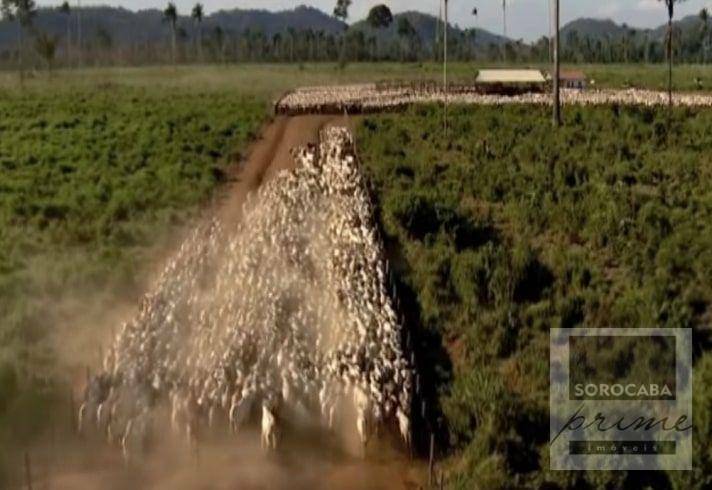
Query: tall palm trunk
point(20, 46)
point(79, 33)
point(504, 30)
point(669, 50)
point(343, 46)
point(557, 70)
point(504, 17)
point(445, 65)
point(200, 41)
point(437, 32)
point(69, 40)
point(173, 42)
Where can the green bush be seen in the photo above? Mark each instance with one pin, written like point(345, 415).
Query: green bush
point(92, 183)
point(507, 229)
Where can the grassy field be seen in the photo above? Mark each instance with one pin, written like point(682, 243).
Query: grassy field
point(508, 230)
point(95, 181)
point(271, 80)
point(501, 234)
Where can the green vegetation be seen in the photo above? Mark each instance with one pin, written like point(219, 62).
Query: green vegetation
point(308, 35)
point(510, 229)
point(271, 80)
point(498, 236)
point(93, 184)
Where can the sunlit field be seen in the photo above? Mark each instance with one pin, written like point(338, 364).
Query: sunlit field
point(273, 79)
point(496, 234)
point(507, 230)
point(94, 183)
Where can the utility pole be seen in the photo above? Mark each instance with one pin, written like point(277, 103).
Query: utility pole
point(504, 17)
point(557, 71)
point(79, 32)
point(445, 65)
point(437, 31)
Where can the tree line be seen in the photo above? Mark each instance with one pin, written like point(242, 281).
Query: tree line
point(192, 42)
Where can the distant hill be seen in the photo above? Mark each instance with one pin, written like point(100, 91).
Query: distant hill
point(126, 26)
point(593, 28)
point(426, 26)
point(687, 25)
point(144, 36)
point(600, 29)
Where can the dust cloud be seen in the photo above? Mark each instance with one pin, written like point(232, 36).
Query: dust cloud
point(286, 312)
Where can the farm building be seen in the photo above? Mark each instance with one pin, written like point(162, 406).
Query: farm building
point(510, 81)
point(573, 79)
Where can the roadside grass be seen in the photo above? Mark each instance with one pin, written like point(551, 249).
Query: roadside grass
point(100, 168)
point(508, 229)
point(95, 182)
point(271, 80)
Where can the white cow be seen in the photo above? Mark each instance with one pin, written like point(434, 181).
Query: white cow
point(269, 429)
point(363, 409)
point(404, 426)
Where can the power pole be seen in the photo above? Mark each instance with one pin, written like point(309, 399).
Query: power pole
point(445, 65)
point(437, 31)
point(557, 70)
point(79, 32)
point(504, 17)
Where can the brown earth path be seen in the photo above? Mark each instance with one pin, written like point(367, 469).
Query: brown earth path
point(270, 154)
point(304, 461)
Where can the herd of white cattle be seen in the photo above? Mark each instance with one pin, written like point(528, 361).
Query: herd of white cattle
point(371, 97)
point(283, 318)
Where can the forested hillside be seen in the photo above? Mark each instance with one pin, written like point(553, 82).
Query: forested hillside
point(116, 36)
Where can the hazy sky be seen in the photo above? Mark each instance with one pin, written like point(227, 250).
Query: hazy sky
point(526, 19)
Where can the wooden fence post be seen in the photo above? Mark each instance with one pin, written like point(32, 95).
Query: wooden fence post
point(28, 471)
point(431, 462)
point(72, 420)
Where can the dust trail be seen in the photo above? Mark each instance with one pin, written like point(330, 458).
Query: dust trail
point(285, 318)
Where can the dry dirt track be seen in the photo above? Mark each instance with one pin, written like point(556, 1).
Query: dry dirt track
point(306, 460)
point(270, 154)
point(315, 468)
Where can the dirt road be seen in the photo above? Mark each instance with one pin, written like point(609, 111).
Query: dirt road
point(270, 154)
point(308, 459)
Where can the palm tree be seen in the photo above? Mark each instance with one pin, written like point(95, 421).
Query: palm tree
point(292, 32)
point(197, 15)
point(319, 37)
point(7, 13)
point(556, 74)
point(405, 32)
point(504, 17)
point(704, 32)
point(436, 43)
point(341, 12)
point(170, 15)
point(219, 36)
point(380, 17)
point(670, 4)
point(23, 12)
point(445, 64)
point(473, 31)
point(46, 47)
point(504, 29)
point(66, 10)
